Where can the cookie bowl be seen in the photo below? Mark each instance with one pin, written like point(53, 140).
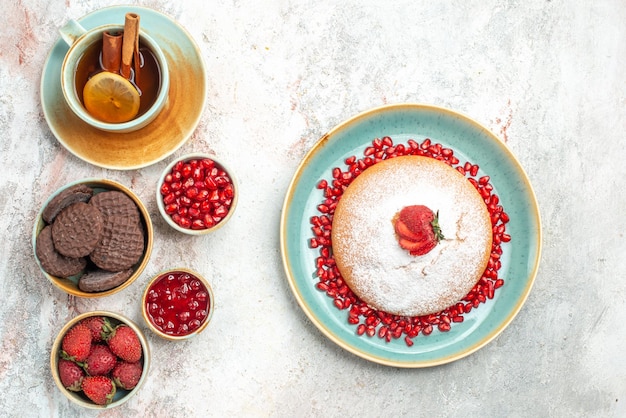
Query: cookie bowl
point(99, 359)
point(197, 194)
point(178, 304)
point(92, 238)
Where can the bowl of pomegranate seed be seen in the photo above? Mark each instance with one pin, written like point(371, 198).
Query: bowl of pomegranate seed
point(92, 237)
point(100, 359)
point(196, 194)
point(178, 304)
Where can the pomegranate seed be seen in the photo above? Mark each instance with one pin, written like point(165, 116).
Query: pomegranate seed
point(221, 211)
point(171, 208)
point(169, 198)
point(382, 332)
point(184, 222)
point(210, 183)
point(197, 224)
point(443, 327)
point(397, 333)
point(198, 174)
point(191, 192)
point(207, 163)
point(186, 171)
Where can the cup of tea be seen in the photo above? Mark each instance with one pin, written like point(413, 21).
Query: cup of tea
point(103, 87)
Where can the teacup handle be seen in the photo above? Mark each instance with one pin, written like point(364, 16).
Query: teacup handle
point(72, 31)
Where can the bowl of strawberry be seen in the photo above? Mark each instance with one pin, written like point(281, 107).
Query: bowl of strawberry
point(178, 304)
point(99, 359)
point(196, 194)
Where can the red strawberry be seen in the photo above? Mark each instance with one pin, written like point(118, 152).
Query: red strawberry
point(71, 375)
point(99, 326)
point(404, 232)
point(126, 375)
point(76, 343)
point(100, 361)
point(418, 229)
point(100, 389)
point(125, 344)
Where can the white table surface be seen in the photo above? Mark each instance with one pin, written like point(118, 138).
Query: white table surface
point(547, 76)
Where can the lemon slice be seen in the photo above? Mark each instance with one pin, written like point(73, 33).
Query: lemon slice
point(111, 98)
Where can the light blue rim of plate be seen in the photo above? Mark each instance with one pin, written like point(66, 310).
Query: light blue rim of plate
point(471, 142)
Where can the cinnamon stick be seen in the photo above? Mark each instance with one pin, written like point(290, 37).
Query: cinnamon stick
point(136, 58)
point(131, 37)
point(111, 51)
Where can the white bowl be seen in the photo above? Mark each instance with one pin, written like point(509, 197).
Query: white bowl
point(207, 314)
point(162, 205)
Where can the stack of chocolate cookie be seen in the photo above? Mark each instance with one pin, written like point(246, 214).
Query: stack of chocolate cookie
point(97, 237)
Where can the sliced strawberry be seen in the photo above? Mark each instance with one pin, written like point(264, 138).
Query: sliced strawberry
point(416, 248)
point(418, 229)
point(403, 231)
point(408, 244)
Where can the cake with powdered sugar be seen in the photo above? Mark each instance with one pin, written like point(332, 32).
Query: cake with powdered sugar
point(411, 236)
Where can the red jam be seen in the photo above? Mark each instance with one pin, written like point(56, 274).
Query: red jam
point(177, 303)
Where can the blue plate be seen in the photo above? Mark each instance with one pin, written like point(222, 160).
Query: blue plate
point(470, 142)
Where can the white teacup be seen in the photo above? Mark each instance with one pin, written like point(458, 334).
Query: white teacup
point(80, 39)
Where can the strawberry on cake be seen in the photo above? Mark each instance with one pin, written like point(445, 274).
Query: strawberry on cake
point(411, 236)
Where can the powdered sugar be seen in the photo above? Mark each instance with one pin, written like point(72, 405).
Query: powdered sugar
point(365, 246)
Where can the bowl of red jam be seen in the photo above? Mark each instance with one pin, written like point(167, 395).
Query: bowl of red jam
point(196, 194)
point(178, 304)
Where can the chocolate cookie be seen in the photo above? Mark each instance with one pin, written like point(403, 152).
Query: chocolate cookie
point(121, 246)
point(101, 280)
point(114, 203)
point(51, 261)
point(77, 229)
point(69, 196)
